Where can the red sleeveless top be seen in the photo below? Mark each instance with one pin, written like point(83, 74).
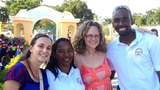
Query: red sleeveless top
point(97, 78)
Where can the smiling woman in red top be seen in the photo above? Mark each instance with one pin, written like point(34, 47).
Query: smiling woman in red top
point(90, 47)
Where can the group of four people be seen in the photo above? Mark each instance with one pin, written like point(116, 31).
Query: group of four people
point(133, 55)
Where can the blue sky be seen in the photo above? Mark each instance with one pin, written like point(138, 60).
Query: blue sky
point(104, 8)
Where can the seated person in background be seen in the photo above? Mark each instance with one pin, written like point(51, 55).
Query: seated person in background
point(0, 48)
point(21, 47)
point(13, 49)
point(9, 50)
point(3, 50)
point(18, 50)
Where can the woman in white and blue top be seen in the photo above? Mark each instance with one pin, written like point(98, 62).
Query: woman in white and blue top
point(61, 72)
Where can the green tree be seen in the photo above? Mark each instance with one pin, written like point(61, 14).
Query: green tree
point(95, 17)
point(106, 29)
point(78, 8)
point(3, 14)
point(149, 17)
point(13, 6)
point(108, 20)
point(139, 19)
point(134, 17)
point(156, 17)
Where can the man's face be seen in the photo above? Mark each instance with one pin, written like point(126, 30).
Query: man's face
point(122, 21)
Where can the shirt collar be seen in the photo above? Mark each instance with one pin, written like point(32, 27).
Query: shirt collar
point(138, 38)
point(138, 35)
point(60, 74)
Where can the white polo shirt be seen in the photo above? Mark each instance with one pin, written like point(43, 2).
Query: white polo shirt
point(136, 65)
point(72, 81)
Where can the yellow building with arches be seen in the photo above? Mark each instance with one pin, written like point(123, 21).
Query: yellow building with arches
point(65, 22)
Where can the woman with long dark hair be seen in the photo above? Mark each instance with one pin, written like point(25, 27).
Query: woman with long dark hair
point(25, 74)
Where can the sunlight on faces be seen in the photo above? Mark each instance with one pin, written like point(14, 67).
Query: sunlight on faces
point(41, 50)
point(92, 37)
point(64, 53)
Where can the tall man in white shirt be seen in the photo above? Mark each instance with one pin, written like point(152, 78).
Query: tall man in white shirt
point(135, 56)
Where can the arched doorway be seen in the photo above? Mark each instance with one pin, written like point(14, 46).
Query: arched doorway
point(29, 18)
point(20, 30)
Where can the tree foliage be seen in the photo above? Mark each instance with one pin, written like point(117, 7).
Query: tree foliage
point(139, 19)
point(108, 20)
point(78, 8)
point(13, 6)
point(106, 29)
point(156, 17)
point(150, 18)
point(3, 14)
point(40, 23)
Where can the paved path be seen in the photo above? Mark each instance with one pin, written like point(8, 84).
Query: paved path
point(115, 82)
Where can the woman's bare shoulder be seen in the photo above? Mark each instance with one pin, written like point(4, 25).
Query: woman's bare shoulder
point(77, 60)
point(77, 57)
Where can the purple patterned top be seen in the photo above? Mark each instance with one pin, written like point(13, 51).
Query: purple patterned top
point(19, 73)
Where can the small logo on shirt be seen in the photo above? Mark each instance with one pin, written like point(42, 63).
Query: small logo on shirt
point(79, 81)
point(138, 52)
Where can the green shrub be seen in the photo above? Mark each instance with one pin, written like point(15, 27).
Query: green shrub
point(106, 30)
point(9, 39)
point(16, 40)
point(1, 86)
point(26, 45)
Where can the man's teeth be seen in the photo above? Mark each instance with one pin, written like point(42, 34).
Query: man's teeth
point(121, 28)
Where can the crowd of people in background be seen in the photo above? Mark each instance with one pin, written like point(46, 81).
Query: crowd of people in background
point(8, 50)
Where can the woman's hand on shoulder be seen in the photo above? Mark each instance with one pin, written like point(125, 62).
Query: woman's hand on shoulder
point(142, 30)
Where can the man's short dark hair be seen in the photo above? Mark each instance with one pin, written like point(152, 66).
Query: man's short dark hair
point(122, 7)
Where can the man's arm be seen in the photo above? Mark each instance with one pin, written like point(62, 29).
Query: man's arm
point(142, 30)
point(158, 73)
